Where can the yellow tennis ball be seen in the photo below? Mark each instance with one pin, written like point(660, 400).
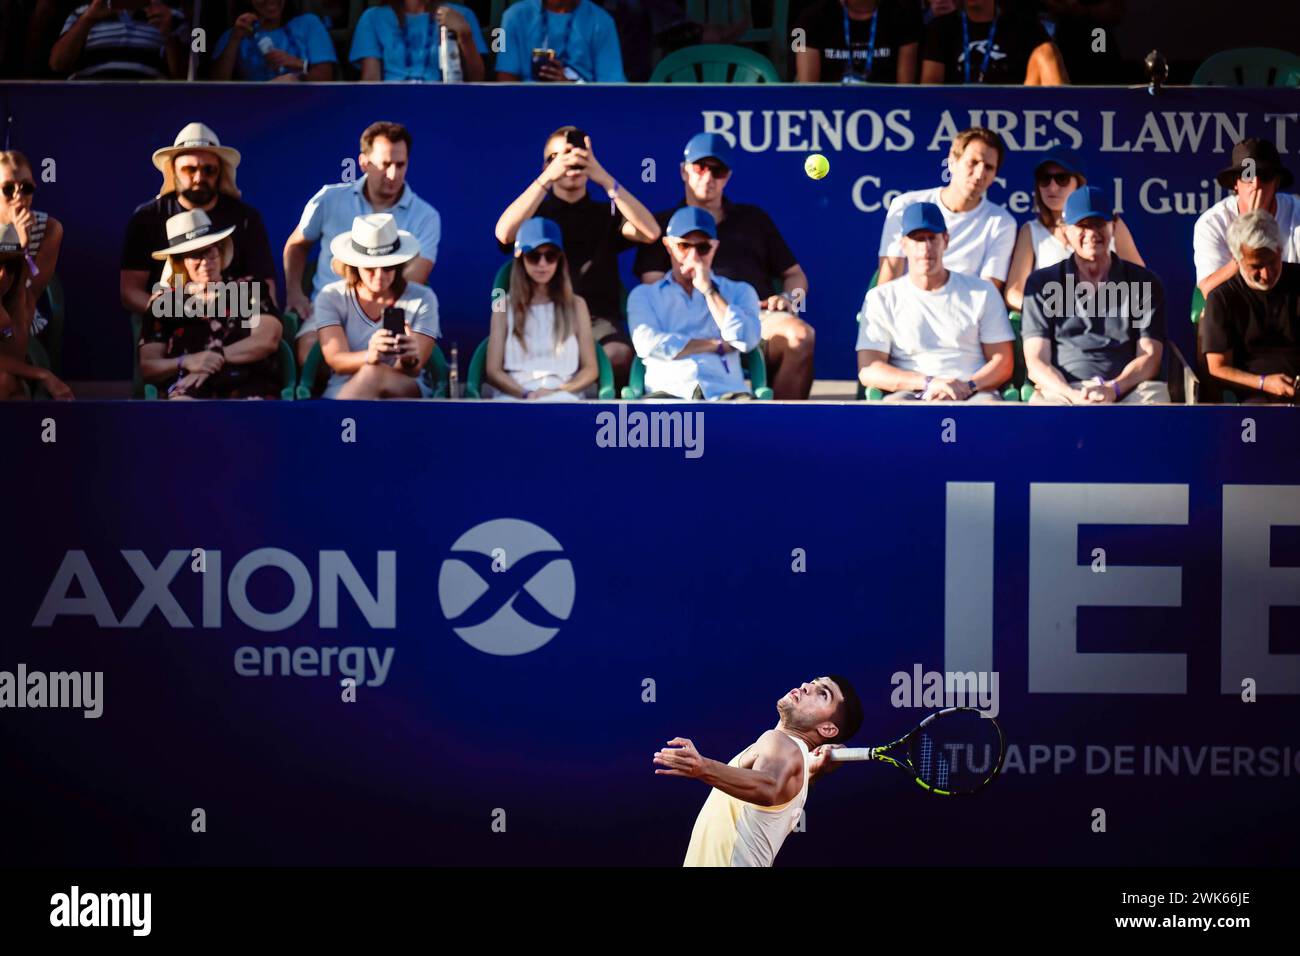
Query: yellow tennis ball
point(816, 166)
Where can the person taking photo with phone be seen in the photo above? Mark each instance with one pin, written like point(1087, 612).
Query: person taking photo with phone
point(559, 41)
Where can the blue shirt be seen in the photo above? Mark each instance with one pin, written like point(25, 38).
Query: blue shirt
point(304, 37)
point(585, 40)
point(330, 212)
point(413, 57)
point(663, 319)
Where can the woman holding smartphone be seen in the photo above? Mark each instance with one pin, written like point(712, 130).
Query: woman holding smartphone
point(272, 41)
point(377, 330)
point(1041, 241)
point(540, 347)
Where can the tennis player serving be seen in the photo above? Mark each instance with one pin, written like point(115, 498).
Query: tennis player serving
point(757, 797)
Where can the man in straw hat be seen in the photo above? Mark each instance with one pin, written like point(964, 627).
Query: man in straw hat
point(198, 173)
point(354, 316)
point(17, 376)
point(206, 336)
point(1257, 180)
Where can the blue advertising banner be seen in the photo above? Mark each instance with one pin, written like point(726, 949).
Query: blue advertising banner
point(530, 602)
point(478, 146)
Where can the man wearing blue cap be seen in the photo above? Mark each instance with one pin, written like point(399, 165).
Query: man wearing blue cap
point(688, 326)
point(751, 250)
point(933, 335)
point(1094, 324)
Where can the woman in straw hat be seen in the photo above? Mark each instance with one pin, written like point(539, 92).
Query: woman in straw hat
point(541, 347)
point(17, 305)
point(208, 334)
point(357, 317)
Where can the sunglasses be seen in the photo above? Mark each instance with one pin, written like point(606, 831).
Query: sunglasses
point(13, 189)
point(719, 171)
point(1261, 175)
point(1061, 179)
point(542, 255)
point(701, 248)
point(207, 170)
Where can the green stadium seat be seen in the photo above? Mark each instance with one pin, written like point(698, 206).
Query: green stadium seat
point(1249, 66)
point(436, 373)
point(715, 63)
point(288, 374)
point(755, 367)
point(775, 36)
point(474, 374)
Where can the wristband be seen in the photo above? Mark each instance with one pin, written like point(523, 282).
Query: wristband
point(970, 383)
point(527, 392)
point(1261, 383)
point(612, 192)
point(926, 387)
point(1114, 387)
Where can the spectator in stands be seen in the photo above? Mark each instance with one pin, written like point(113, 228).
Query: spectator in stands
point(579, 39)
point(686, 324)
point(1093, 324)
point(367, 360)
point(936, 335)
point(752, 251)
point(198, 173)
point(1085, 34)
point(1257, 180)
point(384, 162)
point(594, 232)
point(1250, 330)
point(270, 40)
point(984, 43)
point(235, 352)
point(1042, 241)
point(882, 37)
point(981, 234)
point(123, 39)
point(399, 42)
point(18, 377)
point(39, 233)
point(540, 345)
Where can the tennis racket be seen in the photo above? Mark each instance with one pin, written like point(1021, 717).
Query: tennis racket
point(952, 752)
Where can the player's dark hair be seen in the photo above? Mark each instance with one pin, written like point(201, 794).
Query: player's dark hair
point(848, 716)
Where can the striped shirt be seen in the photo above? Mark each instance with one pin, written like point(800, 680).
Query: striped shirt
point(123, 46)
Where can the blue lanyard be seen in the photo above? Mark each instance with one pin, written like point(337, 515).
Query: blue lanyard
point(988, 44)
point(561, 52)
point(411, 72)
point(871, 42)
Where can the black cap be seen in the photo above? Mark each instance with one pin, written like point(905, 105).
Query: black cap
point(1265, 157)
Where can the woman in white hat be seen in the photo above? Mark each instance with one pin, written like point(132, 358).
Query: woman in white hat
point(377, 329)
point(208, 334)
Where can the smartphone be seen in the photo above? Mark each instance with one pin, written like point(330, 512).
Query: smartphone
point(540, 56)
point(395, 320)
point(576, 138)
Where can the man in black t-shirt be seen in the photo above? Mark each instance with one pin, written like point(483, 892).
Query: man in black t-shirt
point(1250, 329)
point(834, 29)
point(198, 173)
point(594, 234)
point(750, 250)
point(957, 48)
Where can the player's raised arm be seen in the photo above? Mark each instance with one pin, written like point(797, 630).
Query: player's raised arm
point(773, 780)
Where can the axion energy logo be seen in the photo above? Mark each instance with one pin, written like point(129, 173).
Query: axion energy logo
point(506, 587)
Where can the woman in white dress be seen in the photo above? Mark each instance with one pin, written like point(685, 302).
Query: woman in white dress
point(540, 346)
point(1041, 241)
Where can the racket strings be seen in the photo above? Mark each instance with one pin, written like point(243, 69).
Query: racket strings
point(956, 754)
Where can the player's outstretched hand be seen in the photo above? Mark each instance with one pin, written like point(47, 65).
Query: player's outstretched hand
point(821, 761)
point(683, 760)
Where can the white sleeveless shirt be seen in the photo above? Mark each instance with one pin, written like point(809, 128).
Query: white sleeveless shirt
point(1048, 250)
point(731, 832)
point(540, 361)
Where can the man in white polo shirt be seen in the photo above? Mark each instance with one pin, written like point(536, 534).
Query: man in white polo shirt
point(1257, 179)
point(981, 233)
point(934, 335)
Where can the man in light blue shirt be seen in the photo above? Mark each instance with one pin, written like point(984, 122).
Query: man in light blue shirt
point(689, 326)
point(581, 35)
point(384, 159)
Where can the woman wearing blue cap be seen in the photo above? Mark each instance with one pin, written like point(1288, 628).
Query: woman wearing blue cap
point(1041, 241)
point(540, 346)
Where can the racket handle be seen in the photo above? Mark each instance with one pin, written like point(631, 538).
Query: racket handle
point(851, 753)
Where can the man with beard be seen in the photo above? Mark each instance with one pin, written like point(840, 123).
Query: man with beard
point(198, 173)
point(758, 796)
point(1251, 327)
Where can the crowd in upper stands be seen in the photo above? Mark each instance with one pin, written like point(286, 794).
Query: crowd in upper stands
point(593, 41)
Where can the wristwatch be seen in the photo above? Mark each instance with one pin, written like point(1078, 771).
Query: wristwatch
point(970, 383)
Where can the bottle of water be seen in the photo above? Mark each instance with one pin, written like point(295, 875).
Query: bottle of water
point(449, 57)
point(453, 373)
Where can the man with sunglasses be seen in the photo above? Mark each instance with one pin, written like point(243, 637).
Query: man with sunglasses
point(198, 173)
point(594, 232)
point(688, 325)
point(1257, 180)
point(751, 250)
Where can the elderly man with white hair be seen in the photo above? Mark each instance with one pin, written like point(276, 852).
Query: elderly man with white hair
point(1250, 330)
